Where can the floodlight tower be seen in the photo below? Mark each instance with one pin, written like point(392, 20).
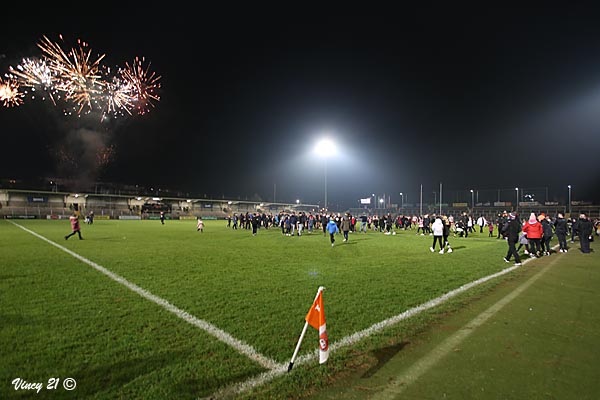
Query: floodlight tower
point(472, 199)
point(569, 200)
point(325, 149)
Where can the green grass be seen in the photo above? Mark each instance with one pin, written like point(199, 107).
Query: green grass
point(62, 318)
point(540, 345)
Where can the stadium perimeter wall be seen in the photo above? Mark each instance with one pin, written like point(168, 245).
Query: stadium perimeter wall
point(55, 205)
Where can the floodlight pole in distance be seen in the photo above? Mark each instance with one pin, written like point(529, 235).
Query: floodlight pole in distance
point(324, 149)
point(569, 200)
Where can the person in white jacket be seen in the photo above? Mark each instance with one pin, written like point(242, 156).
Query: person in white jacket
point(481, 221)
point(438, 233)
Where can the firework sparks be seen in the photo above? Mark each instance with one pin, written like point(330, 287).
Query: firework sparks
point(9, 92)
point(78, 76)
point(81, 82)
point(145, 84)
point(105, 155)
point(117, 96)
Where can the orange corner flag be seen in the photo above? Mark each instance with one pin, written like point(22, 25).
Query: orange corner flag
point(316, 319)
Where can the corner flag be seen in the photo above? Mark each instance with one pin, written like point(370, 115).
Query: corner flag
point(316, 319)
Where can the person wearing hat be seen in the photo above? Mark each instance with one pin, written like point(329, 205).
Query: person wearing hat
point(514, 227)
point(560, 227)
point(533, 230)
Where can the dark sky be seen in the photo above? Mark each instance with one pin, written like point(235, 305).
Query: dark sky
point(474, 98)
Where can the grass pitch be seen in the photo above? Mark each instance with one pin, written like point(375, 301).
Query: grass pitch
point(62, 318)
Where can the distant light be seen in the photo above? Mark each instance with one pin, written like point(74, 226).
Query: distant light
point(76, 195)
point(189, 201)
point(325, 148)
point(156, 198)
point(471, 190)
point(229, 202)
point(138, 198)
point(401, 194)
point(517, 189)
point(261, 204)
point(381, 200)
point(297, 201)
point(569, 186)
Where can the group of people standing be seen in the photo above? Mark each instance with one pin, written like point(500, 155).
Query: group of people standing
point(537, 232)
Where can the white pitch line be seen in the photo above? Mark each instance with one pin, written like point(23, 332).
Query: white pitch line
point(396, 386)
point(240, 387)
point(209, 328)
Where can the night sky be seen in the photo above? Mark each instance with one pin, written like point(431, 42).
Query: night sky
point(473, 98)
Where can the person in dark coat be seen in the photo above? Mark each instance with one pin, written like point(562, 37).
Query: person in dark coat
point(547, 234)
point(514, 228)
point(574, 229)
point(255, 222)
point(585, 231)
point(560, 227)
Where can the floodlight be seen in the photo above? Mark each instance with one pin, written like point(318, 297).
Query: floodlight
point(325, 148)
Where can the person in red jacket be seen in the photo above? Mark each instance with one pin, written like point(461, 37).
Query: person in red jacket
point(534, 231)
point(75, 228)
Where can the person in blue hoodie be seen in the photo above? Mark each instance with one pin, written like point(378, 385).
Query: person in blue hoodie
point(332, 228)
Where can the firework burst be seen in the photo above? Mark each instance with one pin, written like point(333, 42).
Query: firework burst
point(10, 96)
point(78, 74)
point(105, 155)
point(145, 84)
point(37, 75)
point(77, 79)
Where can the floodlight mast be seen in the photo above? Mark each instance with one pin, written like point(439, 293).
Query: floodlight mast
point(325, 148)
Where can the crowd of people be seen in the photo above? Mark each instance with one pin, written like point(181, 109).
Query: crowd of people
point(534, 234)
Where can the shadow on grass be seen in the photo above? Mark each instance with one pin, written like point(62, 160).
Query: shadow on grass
point(383, 356)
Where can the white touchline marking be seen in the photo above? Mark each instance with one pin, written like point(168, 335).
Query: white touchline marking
point(205, 326)
point(396, 386)
point(240, 387)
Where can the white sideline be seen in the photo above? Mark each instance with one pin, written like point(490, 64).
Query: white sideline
point(237, 388)
point(397, 385)
point(221, 335)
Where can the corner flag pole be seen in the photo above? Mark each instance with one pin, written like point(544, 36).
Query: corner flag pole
point(302, 335)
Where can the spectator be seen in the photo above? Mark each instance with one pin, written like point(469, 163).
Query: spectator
point(560, 227)
point(533, 230)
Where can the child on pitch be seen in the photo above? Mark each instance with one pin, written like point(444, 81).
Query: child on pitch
point(523, 241)
point(332, 228)
point(75, 228)
point(200, 225)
